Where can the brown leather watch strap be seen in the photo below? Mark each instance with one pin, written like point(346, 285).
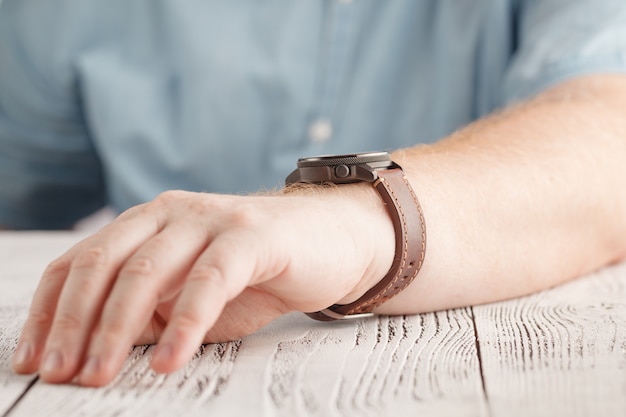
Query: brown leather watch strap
point(410, 230)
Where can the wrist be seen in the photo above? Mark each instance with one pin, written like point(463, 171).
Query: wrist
point(369, 226)
point(373, 231)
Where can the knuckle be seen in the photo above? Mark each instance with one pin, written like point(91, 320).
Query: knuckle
point(200, 207)
point(163, 204)
point(109, 334)
point(114, 322)
point(111, 330)
point(245, 216)
point(139, 267)
point(84, 287)
point(67, 321)
point(188, 320)
point(128, 213)
point(92, 258)
point(40, 318)
point(54, 274)
point(59, 266)
point(170, 196)
point(203, 204)
point(208, 273)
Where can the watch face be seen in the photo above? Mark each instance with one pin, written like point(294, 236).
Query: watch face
point(348, 159)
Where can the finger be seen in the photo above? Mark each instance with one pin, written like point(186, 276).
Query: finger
point(146, 278)
point(248, 312)
point(222, 272)
point(91, 273)
point(41, 313)
point(32, 339)
point(43, 306)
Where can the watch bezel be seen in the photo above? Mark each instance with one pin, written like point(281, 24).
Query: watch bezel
point(346, 159)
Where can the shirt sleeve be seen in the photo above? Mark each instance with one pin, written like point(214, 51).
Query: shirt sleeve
point(50, 175)
point(561, 39)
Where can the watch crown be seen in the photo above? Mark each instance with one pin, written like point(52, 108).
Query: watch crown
point(342, 171)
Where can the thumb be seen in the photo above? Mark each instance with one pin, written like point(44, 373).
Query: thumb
point(244, 315)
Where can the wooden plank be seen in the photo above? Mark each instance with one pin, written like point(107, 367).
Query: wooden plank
point(422, 364)
point(558, 353)
point(381, 366)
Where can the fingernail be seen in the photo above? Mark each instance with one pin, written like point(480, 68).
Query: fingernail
point(162, 354)
point(52, 362)
point(92, 366)
point(22, 354)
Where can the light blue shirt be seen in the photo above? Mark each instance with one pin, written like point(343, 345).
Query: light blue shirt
point(114, 101)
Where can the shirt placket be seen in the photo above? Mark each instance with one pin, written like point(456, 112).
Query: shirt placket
point(338, 33)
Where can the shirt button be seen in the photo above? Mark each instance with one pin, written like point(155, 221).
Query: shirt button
point(320, 131)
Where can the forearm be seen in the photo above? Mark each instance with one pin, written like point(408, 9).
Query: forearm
point(522, 200)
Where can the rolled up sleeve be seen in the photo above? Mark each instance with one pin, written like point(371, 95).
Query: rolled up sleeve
point(50, 175)
point(561, 39)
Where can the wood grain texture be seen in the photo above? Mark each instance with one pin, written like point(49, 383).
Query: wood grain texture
point(377, 367)
point(558, 353)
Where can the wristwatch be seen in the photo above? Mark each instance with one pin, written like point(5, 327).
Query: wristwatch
point(389, 180)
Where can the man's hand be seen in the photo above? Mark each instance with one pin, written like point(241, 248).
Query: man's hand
point(189, 268)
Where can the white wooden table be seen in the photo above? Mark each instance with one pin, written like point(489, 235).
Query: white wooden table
point(558, 353)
